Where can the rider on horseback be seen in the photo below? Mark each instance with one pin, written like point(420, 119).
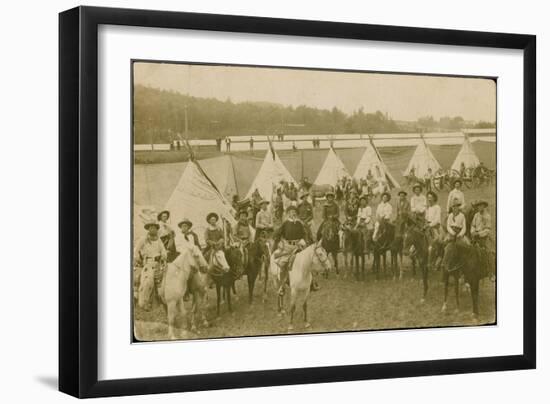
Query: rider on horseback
point(149, 253)
point(167, 235)
point(433, 218)
point(480, 232)
point(264, 219)
point(243, 234)
point(456, 224)
point(213, 236)
point(305, 213)
point(403, 211)
point(418, 203)
point(456, 194)
point(383, 213)
point(290, 239)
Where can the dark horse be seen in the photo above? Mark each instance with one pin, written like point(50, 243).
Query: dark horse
point(463, 259)
point(225, 281)
point(385, 241)
point(328, 232)
point(416, 245)
point(258, 262)
point(355, 241)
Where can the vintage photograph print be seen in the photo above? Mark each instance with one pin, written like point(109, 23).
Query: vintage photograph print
point(275, 201)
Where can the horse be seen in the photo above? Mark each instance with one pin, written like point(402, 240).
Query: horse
point(258, 262)
point(416, 244)
point(436, 252)
point(384, 242)
point(462, 258)
point(188, 270)
point(300, 278)
point(328, 232)
point(355, 248)
point(223, 270)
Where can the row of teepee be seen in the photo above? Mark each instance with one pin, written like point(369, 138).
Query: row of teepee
point(423, 159)
point(196, 194)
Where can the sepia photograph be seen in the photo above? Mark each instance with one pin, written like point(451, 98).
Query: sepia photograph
point(274, 200)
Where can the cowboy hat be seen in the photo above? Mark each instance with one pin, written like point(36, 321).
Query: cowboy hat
point(481, 202)
point(212, 214)
point(161, 213)
point(329, 193)
point(387, 194)
point(432, 194)
point(456, 202)
point(243, 212)
point(364, 197)
point(457, 180)
point(291, 207)
point(185, 221)
point(263, 202)
point(417, 185)
point(402, 193)
point(151, 223)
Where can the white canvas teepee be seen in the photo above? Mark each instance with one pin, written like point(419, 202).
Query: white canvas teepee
point(194, 197)
point(332, 170)
point(271, 173)
point(371, 161)
point(466, 155)
point(421, 160)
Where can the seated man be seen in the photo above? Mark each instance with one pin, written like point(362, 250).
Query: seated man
point(243, 234)
point(383, 213)
point(480, 232)
point(289, 240)
point(456, 224)
point(433, 218)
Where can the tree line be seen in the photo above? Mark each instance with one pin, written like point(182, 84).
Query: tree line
point(159, 115)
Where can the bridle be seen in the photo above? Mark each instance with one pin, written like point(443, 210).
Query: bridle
point(324, 262)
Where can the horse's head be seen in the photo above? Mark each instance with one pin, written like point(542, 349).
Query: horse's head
point(234, 258)
point(320, 255)
point(219, 261)
point(411, 238)
point(197, 258)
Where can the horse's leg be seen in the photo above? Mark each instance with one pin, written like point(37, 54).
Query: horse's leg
point(292, 309)
point(446, 291)
point(384, 257)
point(335, 257)
point(228, 292)
point(218, 298)
point(424, 268)
point(251, 277)
point(306, 322)
point(457, 298)
point(474, 291)
point(266, 270)
point(171, 311)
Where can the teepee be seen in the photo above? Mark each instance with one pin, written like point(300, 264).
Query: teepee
point(466, 155)
point(332, 170)
point(271, 173)
point(371, 161)
point(196, 196)
point(421, 160)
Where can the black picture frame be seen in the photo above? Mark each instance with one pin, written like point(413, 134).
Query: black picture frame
point(78, 200)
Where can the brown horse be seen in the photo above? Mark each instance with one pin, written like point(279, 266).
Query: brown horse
point(416, 245)
point(386, 240)
point(463, 259)
point(258, 265)
point(223, 278)
point(328, 232)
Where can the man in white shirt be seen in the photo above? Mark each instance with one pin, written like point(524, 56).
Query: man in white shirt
point(456, 195)
point(433, 217)
point(364, 212)
point(383, 213)
point(418, 202)
point(456, 224)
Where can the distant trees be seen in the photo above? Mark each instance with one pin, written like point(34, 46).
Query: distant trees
point(159, 115)
point(450, 123)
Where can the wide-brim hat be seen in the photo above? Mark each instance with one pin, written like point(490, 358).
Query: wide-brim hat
point(457, 180)
point(263, 202)
point(149, 224)
point(364, 197)
point(329, 193)
point(291, 207)
point(163, 212)
point(185, 221)
point(243, 211)
point(417, 185)
point(387, 194)
point(212, 214)
point(432, 194)
point(402, 193)
point(456, 202)
point(481, 202)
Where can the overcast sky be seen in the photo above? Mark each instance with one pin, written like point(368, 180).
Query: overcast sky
point(403, 97)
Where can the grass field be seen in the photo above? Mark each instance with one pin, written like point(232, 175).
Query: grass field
point(341, 304)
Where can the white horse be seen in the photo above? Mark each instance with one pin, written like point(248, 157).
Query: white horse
point(300, 277)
